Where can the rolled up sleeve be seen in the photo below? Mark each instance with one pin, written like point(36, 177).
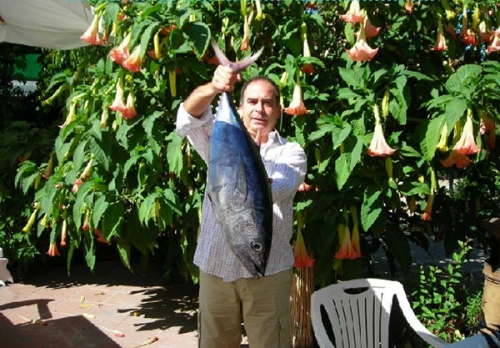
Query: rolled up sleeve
point(289, 172)
point(197, 130)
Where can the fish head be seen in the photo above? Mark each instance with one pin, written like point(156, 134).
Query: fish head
point(253, 256)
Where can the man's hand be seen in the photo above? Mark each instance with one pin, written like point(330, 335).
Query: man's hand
point(224, 79)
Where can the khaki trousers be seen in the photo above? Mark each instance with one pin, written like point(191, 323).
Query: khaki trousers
point(262, 304)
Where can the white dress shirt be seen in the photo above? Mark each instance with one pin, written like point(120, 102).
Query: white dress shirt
point(286, 165)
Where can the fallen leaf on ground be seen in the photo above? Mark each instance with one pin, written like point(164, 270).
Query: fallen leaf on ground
point(34, 321)
point(116, 333)
point(148, 342)
point(89, 315)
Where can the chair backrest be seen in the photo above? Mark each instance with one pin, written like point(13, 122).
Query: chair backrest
point(358, 318)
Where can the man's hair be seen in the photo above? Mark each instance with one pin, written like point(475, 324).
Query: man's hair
point(260, 78)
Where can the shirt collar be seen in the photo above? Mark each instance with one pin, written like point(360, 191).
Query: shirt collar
point(274, 139)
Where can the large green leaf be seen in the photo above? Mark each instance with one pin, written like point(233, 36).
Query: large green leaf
point(101, 155)
point(372, 206)
point(339, 135)
point(147, 208)
point(174, 153)
point(352, 77)
point(455, 109)
point(84, 191)
point(79, 154)
point(345, 164)
point(198, 36)
point(147, 36)
point(463, 78)
point(90, 256)
point(322, 130)
point(112, 220)
point(342, 171)
point(431, 139)
point(98, 210)
point(347, 93)
point(123, 247)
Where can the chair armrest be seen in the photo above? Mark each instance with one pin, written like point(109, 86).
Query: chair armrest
point(415, 323)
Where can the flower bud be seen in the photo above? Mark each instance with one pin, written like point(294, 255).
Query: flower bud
point(385, 103)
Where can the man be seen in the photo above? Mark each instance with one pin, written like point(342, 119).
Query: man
point(228, 292)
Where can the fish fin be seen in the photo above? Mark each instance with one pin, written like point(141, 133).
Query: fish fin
point(237, 66)
point(221, 57)
point(241, 185)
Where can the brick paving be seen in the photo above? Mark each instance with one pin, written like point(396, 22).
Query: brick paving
point(111, 308)
point(91, 310)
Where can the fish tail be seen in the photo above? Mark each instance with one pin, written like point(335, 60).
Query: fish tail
point(237, 66)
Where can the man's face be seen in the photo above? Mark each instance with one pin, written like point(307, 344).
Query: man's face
point(259, 108)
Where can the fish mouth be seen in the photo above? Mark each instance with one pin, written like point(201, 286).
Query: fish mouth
point(254, 265)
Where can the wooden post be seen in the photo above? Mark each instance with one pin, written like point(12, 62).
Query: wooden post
point(300, 302)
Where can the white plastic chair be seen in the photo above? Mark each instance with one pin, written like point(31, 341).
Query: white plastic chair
point(361, 320)
point(4, 272)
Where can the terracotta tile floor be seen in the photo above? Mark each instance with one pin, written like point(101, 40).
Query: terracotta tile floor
point(82, 310)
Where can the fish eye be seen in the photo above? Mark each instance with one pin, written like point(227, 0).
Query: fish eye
point(256, 246)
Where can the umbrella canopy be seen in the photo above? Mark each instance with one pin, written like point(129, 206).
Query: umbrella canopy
point(56, 24)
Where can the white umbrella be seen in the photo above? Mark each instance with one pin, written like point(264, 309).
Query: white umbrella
point(56, 24)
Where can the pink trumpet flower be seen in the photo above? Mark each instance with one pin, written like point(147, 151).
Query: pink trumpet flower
point(78, 182)
point(426, 216)
point(130, 111)
point(306, 51)
point(361, 51)
point(488, 125)
point(300, 255)
point(297, 106)
point(121, 53)
point(91, 35)
point(466, 145)
point(469, 37)
point(440, 44)
point(409, 7)
point(495, 44)
point(71, 115)
point(456, 158)
point(119, 102)
point(355, 241)
point(53, 251)
point(346, 250)
point(378, 146)
point(64, 233)
point(133, 62)
point(370, 29)
point(485, 35)
point(307, 68)
point(304, 187)
point(355, 14)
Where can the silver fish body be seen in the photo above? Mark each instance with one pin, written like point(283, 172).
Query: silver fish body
point(239, 189)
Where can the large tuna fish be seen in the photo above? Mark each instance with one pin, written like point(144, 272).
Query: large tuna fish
point(237, 184)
